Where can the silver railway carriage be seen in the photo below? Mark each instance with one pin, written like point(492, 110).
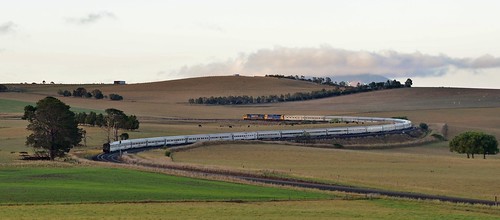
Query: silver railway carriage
point(393, 125)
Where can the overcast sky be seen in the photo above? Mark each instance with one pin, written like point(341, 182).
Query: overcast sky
point(436, 43)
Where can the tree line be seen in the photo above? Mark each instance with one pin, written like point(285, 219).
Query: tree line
point(328, 81)
point(298, 96)
point(96, 93)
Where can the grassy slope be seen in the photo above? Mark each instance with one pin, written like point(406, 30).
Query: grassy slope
point(83, 185)
point(14, 106)
point(337, 209)
point(445, 174)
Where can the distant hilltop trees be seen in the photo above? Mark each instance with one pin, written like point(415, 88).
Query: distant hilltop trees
point(328, 81)
point(96, 93)
point(299, 96)
point(3, 88)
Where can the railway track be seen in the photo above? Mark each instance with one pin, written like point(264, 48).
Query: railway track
point(115, 158)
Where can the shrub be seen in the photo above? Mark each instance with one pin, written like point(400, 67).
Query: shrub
point(124, 136)
point(115, 97)
point(168, 153)
point(423, 126)
point(439, 137)
point(337, 145)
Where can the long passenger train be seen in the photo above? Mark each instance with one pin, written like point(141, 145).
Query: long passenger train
point(392, 125)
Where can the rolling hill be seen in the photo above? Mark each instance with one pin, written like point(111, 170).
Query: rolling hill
point(463, 108)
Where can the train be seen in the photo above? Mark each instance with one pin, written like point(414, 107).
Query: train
point(392, 125)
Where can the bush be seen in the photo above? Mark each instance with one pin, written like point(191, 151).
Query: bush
point(115, 97)
point(168, 153)
point(124, 136)
point(423, 126)
point(337, 145)
point(439, 137)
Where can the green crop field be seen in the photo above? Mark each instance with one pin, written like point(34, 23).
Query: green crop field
point(90, 184)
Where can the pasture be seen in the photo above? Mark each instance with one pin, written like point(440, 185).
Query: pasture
point(53, 185)
point(430, 169)
point(325, 209)
point(426, 169)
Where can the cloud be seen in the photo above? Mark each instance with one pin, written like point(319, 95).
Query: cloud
point(7, 28)
point(91, 18)
point(211, 27)
point(328, 61)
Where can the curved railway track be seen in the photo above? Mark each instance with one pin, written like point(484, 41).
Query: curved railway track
point(115, 157)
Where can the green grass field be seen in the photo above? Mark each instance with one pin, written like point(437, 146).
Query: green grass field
point(14, 106)
point(91, 184)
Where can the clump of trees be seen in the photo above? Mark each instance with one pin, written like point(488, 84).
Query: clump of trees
point(328, 81)
point(473, 142)
point(318, 80)
point(298, 96)
point(54, 128)
point(84, 93)
point(112, 122)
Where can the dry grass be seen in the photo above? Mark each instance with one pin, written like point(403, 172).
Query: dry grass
point(443, 174)
point(337, 209)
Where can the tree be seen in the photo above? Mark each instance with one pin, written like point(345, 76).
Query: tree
point(80, 92)
point(115, 119)
point(489, 145)
point(472, 142)
point(408, 83)
point(91, 119)
point(97, 94)
point(3, 88)
point(54, 127)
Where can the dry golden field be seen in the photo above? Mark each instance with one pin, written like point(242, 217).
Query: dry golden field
point(431, 169)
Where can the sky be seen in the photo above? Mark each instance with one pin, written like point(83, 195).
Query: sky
point(435, 43)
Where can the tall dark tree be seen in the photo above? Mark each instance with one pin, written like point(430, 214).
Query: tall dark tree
point(54, 127)
point(408, 83)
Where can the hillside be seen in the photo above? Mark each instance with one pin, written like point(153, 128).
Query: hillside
point(462, 108)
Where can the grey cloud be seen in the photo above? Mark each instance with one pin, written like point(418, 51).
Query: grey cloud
point(328, 61)
point(91, 18)
point(7, 27)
